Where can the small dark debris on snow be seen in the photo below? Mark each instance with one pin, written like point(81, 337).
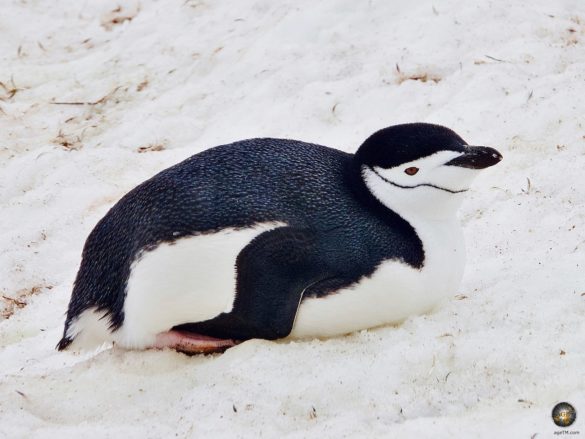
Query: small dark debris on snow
point(151, 147)
point(142, 85)
point(101, 100)
point(15, 302)
point(422, 77)
point(528, 186)
point(11, 304)
point(313, 413)
point(495, 59)
point(9, 89)
point(118, 16)
point(68, 142)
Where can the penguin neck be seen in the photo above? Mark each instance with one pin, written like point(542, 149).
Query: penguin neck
point(436, 226)
point(415, 205)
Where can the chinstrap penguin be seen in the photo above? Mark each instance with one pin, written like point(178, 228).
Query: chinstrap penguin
point(273, 238)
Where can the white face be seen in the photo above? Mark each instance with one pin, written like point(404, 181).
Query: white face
point(423, 187)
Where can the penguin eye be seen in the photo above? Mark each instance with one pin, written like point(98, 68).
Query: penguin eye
point(411, 171)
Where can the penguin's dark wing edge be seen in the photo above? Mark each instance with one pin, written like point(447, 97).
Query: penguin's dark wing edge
point(273, 271)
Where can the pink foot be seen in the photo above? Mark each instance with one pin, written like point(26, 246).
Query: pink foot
point(191, 343)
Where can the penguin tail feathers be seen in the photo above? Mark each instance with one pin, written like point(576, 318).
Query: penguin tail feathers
point(86, 330)
point(68, 337)
point(64, 343)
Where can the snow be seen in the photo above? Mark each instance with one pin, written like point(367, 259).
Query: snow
point(180, 76)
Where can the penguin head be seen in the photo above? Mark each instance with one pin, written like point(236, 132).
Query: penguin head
point(421, 169)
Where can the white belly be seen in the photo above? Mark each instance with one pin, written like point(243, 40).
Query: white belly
point(393, 292)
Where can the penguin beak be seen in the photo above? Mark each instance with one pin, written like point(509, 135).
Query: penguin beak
point(476, 157)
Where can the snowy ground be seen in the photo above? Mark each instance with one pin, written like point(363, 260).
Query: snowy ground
point(87, 86)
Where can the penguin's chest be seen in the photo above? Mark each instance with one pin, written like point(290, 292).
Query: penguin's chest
point(393, 292)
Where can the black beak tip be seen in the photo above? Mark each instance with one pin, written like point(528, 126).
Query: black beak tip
point(477, 157)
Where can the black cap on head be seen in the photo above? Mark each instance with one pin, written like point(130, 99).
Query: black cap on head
point(400, 144)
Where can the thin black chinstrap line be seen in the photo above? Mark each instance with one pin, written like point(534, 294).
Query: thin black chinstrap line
point(418, 185)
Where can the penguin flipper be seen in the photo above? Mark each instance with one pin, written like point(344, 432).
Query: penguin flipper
point(273, 271)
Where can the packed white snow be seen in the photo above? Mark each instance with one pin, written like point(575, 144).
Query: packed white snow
point(97, 96)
